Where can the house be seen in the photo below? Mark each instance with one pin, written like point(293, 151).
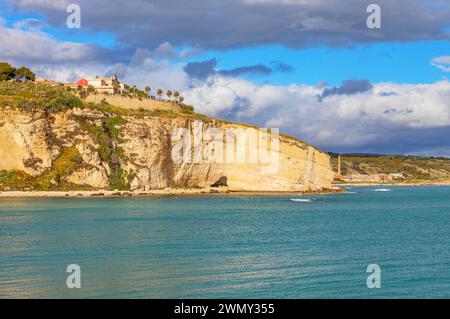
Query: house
point(109, 85)
point(82, 83)
point(398, 175)
point(365, 178)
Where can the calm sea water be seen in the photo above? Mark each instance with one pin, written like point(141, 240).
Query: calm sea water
point(229, 247)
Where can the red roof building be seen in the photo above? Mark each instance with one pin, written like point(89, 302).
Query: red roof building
point(82, 83)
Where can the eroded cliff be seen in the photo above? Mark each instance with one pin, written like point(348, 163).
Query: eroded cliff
point(99, 148)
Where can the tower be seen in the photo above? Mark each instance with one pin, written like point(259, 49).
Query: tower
point(339, 165)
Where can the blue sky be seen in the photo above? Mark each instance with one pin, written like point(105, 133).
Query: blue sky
point(312, 69)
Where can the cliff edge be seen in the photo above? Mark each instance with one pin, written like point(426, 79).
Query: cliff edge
point(52, 140)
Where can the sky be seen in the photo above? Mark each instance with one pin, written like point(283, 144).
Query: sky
point(312, 68)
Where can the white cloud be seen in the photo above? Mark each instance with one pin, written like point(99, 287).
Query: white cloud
point(442, 62)
point(37, 46)
point(145, 69)
point(68, 72)
point(29, 24)
point(44, 4)
point(348, 121)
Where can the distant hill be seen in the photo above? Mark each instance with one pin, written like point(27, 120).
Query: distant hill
point(414, 168)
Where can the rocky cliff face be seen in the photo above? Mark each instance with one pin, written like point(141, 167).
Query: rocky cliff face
point(94, 149)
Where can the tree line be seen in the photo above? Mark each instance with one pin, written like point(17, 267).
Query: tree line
point(172, 95)
point(10, 73)
point(135, 92)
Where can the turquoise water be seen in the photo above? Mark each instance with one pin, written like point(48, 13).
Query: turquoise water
point(229, 247)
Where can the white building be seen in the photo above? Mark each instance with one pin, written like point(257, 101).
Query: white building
point(110, 85)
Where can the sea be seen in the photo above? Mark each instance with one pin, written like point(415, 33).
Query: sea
point(230, 246)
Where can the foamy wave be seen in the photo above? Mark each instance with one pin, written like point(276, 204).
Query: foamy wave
point(300, 200)
point(382, 190)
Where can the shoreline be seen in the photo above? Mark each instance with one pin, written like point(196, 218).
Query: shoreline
point(446, 183)
point(337, 188)
point(156, 193)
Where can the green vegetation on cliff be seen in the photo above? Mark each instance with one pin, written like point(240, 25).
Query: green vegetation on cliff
point(50, 180)
point(33, 97)
point(37, 97)
point(108, 136)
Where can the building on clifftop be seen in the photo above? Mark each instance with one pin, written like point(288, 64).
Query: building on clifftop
point(109, 85)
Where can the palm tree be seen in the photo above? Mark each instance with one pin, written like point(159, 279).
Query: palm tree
point(160, 92)
point(134, 90)
point(176, 95)
point(169, 94)
point(181, 99)
point(148, 90)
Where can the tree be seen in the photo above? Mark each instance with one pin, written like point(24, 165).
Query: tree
point(134, 90)
point(148, 90)
point(83, 94)
point(24, 74)
point(181, 99)
point(176, 95)
point(141, 93)
point(169, 94)
point(160, 93)
point(7, 71)
point(126, 89)
point(90, 89)
point(116, 88)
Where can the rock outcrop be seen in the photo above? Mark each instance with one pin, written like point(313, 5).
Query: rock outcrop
point(89, 148)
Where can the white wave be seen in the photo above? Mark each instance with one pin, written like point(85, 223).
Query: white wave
point(382, 190)
point(301, 200)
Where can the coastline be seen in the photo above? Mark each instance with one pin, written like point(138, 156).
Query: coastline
point(337, 188)
point(430, 183)
point(166, 192)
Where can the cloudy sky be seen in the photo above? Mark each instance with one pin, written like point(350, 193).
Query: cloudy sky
point(309, 67)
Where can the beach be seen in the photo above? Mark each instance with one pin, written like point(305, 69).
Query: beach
point(162, 192)
point(105, 193)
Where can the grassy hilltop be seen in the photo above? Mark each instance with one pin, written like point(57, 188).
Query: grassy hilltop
point(32, 96)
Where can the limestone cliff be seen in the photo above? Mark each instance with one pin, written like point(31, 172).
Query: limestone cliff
point(89, 148)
